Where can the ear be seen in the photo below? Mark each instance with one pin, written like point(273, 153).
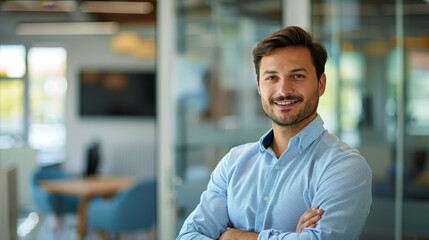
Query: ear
point(322, 85)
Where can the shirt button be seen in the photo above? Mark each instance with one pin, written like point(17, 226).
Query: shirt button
point(277, 167)
point(266, 198)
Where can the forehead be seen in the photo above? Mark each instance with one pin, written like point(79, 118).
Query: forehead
point(288, 57)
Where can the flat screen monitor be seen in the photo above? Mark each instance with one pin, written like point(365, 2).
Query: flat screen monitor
point(107, 93)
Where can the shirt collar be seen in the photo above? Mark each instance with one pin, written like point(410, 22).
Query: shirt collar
point(303, 139)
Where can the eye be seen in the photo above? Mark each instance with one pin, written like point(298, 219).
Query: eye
point(298, 76)
point(271, 77)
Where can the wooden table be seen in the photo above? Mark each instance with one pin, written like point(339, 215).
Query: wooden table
point(86, 188)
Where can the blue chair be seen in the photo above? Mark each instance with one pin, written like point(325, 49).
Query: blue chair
point(130, 210)
point(49, 203)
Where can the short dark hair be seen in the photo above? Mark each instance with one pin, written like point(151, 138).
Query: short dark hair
point(291, 36)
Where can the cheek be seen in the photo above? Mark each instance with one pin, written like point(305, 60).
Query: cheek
point(266, 90)
point(264, 94)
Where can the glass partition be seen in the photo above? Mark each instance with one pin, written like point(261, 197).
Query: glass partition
point(376, 97)
point(416, 141)
point(216, 92)
point(367, 59)
point(359, 39)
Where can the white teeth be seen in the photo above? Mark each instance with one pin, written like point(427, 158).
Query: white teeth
point(284, 103)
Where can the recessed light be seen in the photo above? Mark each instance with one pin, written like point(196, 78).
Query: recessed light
point(72, 28)
point(117, 7)
point(39, 6)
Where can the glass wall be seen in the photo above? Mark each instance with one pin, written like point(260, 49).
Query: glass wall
point(376, 97)
point(378, 67)
point(217, 102)
point(416, 142)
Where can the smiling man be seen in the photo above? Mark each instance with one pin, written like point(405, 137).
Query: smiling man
point(298, 181)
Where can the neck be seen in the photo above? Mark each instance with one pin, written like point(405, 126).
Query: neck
point(282, 135)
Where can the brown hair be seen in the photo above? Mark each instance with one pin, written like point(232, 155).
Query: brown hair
point(291, 36)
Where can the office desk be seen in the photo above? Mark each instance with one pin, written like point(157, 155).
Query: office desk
point(86, 188)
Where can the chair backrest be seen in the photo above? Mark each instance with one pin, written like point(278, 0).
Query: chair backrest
point(47, 202)
point(48, 173)
point(136, 206)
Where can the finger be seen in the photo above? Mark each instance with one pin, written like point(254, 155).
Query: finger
point(310, 213)
point(312, 221)
point(309, 218)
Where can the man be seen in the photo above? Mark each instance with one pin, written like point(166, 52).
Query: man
point(298, 181)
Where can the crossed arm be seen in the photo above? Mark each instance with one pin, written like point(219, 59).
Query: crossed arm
point(338, 188)
point(307, 220)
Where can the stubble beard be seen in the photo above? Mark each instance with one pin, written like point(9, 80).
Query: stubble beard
point(287, 119)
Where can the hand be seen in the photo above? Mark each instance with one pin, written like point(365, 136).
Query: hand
point(309, 218)
point(235, 234)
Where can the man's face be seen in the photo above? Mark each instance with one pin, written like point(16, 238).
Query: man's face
point(289, 87)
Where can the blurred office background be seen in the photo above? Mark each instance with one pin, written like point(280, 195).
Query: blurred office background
point(195, 56)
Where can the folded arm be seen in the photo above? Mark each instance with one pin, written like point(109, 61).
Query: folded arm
point(307, 220)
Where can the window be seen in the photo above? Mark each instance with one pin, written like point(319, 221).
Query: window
point(12, 71)
point(32, 99)
point(46, 70)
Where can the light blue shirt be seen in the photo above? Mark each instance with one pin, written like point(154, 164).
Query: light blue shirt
point(250, 189)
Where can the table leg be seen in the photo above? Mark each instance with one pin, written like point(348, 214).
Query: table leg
point(81, 218)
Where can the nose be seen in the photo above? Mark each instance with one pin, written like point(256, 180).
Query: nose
point(285, 87)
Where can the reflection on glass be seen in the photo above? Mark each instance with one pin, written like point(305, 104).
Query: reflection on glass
point(327, 105)
point(351, 72)
point(417, 91)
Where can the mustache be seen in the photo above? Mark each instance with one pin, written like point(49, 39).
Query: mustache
point(287, 98)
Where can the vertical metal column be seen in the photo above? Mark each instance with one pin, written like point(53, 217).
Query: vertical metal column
point(399, 181)
point(166, 115)
point(335, 56)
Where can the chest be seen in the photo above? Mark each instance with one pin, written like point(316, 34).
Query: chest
point(262, 194)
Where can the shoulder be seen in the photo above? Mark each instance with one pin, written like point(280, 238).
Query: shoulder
point(336, 152)
point(242, 151)
point(238, 155)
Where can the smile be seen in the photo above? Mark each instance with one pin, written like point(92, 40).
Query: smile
point(285, 103)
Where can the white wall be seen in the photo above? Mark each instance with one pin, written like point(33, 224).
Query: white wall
point(94, 52)
point(90, 51)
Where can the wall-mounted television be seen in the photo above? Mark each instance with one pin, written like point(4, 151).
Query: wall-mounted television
point(110, 93)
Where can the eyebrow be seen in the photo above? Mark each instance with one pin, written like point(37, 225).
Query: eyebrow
point(269, 72)
point(299, 70)
point(291, 71)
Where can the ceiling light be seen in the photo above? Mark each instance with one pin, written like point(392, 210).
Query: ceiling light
point(75, 28)
point(39, 6)
point(117, 7)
